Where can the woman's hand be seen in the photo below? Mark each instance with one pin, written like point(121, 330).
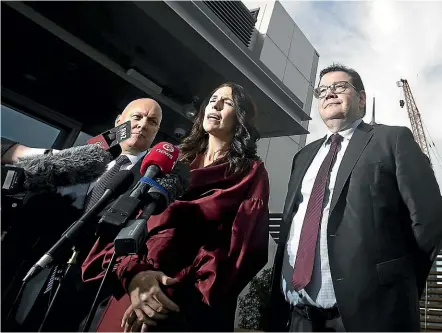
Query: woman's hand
point(135, 320)
point(149, 303)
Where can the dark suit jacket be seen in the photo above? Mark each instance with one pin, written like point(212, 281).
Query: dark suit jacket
point(384, 227)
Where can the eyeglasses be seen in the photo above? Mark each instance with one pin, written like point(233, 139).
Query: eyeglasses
point(336, 87)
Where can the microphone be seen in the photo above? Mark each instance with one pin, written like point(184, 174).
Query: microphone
point(176, 182)
point(76, 165)
point(158, 162)
point(111, 139)
point(12, 179)
point(132, 238)
point(117, 185)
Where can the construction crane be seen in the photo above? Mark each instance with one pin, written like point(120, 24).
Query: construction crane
point(415, 117)
point(430, 302)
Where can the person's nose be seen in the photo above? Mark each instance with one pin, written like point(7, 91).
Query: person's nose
point(142, 123)
point(329, 93)
point(218, 105)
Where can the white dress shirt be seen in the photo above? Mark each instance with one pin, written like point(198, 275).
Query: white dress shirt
point(319, 292)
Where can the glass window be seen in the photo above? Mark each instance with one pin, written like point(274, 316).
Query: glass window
point(26, 130)
point(82, 139)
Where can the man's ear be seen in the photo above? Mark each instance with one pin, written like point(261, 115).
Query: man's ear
point(117, 121)
point(362, 99)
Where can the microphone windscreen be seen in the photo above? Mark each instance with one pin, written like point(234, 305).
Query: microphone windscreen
point(76, 165)
point(176, 182)
point(164, 155)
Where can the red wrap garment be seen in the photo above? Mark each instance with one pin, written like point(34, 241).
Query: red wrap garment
point(214, 240)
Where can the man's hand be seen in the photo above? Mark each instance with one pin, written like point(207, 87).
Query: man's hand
point(149, 303)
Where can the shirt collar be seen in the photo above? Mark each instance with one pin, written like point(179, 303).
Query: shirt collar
point(346, 134)
point(135, 158)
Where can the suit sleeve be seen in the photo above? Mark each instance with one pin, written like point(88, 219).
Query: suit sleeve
point(419, 190)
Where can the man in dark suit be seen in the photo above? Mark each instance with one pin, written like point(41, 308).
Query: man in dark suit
point(361, 224)
point(145, 115)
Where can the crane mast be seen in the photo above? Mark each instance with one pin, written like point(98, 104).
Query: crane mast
point(415, 117)
point(432, 291)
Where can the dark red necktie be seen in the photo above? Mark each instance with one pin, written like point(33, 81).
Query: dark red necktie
point(309, 234)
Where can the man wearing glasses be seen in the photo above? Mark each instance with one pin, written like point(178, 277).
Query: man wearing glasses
point(361, 225)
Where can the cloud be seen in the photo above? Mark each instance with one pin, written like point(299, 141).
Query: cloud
point(384, 41)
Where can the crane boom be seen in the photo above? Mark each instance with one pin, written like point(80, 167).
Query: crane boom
point(415, 117)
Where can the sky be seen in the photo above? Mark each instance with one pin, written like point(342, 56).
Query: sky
point(384, 41)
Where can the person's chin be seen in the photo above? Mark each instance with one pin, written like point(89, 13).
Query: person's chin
point(142, 145)
point(214, 130)
point(335, 114)
point(136, 144)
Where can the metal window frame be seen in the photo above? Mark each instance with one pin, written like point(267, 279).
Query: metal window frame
point(69, 128)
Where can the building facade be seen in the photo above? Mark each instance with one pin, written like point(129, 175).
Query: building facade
point(75, 65)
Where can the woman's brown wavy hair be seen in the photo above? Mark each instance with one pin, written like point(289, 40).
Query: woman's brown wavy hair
point(242, 150)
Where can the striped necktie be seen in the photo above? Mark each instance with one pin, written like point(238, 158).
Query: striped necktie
point(305, 256)
point(98, 190)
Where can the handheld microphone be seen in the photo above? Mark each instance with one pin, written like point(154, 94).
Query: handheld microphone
point(132, 238)
point(76, 165)
point(160, 159)
point(158, 162)
point(111, 139)
point(118, 185)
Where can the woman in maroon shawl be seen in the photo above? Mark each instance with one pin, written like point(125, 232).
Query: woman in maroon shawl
point(206, 247)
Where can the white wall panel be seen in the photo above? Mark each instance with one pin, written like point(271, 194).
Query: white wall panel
point(301, 53)
point(281, 28)
point(296, 82)
point(273, 58)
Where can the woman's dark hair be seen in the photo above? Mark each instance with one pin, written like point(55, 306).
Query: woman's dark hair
point(242, 150)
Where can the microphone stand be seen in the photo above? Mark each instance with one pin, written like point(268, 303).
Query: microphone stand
point(72, 261)
point(92, 310)
point(70, 234)
point(139, 231)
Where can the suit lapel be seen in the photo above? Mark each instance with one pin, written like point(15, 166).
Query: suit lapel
point(136, 171)
point(356, 146)
point(299, 169)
